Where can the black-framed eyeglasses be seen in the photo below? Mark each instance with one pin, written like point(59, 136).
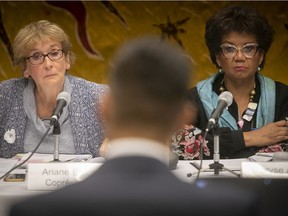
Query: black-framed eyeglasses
point(38, 58)
point(230, 50)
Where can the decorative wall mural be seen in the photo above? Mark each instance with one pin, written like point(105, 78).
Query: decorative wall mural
point(110, 7)
point(78, 10)
point(172, 29)
point(4, 37)
point(98, 28)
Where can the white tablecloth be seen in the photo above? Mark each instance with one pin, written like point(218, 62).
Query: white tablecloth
point(11, 192)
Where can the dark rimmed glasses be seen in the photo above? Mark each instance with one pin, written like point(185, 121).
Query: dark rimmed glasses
point(38, 58)
point(230, 50)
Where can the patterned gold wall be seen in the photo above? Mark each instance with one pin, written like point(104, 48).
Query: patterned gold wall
point(97, 28)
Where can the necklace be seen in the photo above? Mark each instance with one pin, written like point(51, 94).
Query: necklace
point(251, 95)
point(251, 106)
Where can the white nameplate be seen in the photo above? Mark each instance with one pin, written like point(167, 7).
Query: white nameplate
point(264, 169)
point(54, 175)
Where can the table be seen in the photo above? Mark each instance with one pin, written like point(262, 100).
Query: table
point(11, 192)
point(184, 168)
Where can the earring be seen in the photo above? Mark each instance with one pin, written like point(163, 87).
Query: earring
point(220, 70)
point(258, 69)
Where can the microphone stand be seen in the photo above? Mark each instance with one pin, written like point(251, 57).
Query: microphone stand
point(217, 166)
point(56, 132)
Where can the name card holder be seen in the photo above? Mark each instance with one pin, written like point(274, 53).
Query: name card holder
point(54, 175)
point(264, 169)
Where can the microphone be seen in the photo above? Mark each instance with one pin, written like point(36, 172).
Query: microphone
point(225, 99)
point(63, 99)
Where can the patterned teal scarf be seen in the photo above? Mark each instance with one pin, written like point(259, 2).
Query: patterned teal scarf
point(266, 106)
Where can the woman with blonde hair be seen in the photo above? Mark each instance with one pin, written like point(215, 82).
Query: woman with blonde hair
point(42, 50)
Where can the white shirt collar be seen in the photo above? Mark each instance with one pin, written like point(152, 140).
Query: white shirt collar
point(136, 146)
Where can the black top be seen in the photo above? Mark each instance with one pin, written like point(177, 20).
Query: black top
point(232, 141)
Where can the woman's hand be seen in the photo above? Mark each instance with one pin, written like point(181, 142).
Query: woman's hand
point(269, 134)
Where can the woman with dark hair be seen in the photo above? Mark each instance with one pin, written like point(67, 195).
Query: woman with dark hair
point(238, 39)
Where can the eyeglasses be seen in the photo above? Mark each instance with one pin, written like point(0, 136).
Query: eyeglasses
point(248, 50)
point(38, 58)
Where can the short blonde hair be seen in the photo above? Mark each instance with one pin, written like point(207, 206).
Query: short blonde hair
point(35, 32)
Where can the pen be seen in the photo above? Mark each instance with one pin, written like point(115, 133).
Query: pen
point(195, 165)
point(264, 155)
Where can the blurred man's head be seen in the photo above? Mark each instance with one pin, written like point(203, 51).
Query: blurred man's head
point(148, 81)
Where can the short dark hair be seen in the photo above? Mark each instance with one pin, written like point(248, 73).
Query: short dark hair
point(149, 78)
point(240, 19)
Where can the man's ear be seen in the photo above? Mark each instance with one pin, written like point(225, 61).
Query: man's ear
point(106, 106)
point(107, 113)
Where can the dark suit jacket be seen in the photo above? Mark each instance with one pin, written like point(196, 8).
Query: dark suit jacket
point(139, 186)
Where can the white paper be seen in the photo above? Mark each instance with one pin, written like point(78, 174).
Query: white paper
point(234, 165)
point(264, 170)
point(39, 158)
point(7, 164)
